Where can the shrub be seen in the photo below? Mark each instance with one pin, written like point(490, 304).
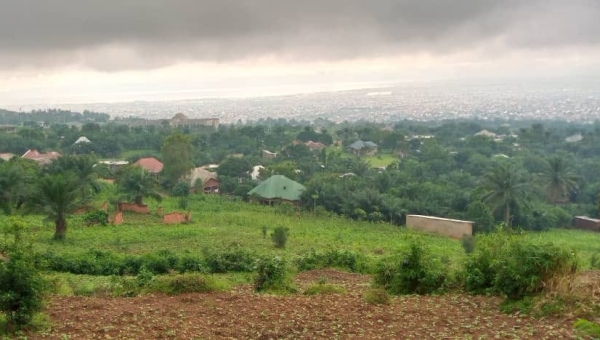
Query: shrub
point(264, 231)
point(96, 217)
point(595, 260)
point(341, 259)
point(415, 272)
point(514, 266)
point(232, 260)
point(181, 189)
point(272, 275)
point(526, 267)
point(377, 296)
point(468, 244)
point(144, 278)
point(183, 202)
point(190, 263)
point(161, 262)
point(22, 287)
point(587, 328)
point(279, 237)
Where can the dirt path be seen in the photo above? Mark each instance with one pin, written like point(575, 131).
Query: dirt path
point(242, 314)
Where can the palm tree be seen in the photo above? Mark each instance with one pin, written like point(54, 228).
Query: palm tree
point(505, 187)
point(15, 184)
point(136, 183)
point(58, 195)
point(83, 168)
point(559, 179)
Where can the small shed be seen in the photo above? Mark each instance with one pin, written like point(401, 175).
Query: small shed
point(586, 223)
point(278, 188)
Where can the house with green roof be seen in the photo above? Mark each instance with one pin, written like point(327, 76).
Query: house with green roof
point(278, 188)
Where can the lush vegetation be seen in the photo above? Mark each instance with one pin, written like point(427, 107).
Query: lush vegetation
point(351, 214)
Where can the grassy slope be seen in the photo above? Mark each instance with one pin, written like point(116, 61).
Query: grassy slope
point(219, 223)
point(381, 160)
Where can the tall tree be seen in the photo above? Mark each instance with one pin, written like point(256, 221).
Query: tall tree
point(16, 182)
point(559, 179)
point(178, 156)
point(135, 183)
point(506, 188)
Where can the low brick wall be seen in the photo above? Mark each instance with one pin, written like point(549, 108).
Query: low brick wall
point(586, 223)
point(177, 217)
point(442, 226)
point(138, 208)
point(118, 218)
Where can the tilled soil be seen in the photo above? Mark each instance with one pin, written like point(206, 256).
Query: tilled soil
point(242, 314)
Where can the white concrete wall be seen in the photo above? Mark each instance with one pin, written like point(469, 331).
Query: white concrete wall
point(441, 226)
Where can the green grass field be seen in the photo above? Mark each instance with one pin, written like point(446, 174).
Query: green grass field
point(381, 160)
point(218, 223)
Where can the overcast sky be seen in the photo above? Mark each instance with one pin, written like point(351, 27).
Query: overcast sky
point(74, 50)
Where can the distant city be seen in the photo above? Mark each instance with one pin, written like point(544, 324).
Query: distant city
point(577, 101)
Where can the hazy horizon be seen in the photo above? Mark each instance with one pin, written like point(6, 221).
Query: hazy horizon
point(68, 51)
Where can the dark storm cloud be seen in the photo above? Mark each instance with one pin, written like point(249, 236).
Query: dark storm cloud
point(113, 34)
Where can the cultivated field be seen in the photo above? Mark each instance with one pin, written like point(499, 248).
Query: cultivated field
point(83, 306)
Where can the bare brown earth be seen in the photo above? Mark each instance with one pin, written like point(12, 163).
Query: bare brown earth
point(242, 314)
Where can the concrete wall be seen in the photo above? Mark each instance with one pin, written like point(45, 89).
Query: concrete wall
point(441, 226)
point(586, 223)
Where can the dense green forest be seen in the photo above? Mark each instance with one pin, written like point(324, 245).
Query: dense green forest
point(534, 175)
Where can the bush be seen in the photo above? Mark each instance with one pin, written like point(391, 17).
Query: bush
point(468, 244)
point(272, 275)
point(587, 328)
point(233, 260)
point(377, 296)
point(341, 259)
point(22, 287)
point(414, 272)
point(181, 189)
point(96, 217)
point(515, 267)
point(595, 260)
point(279, 237)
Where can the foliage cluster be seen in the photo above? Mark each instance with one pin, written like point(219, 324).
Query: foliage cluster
point(279, 236)
point(97, 262)
point(333, 258)
point(22, 287)
point(414, 271)
point(514, 266)
point(273, 275)
point(96, 217)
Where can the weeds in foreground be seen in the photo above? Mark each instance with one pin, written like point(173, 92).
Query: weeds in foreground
point(377, 296)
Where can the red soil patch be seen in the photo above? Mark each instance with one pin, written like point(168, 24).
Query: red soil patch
point(242, 314)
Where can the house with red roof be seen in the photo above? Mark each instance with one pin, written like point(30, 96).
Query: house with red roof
point(150, 164)
point(41, 157)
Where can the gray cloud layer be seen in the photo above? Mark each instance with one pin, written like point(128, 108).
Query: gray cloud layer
point(113, 34)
